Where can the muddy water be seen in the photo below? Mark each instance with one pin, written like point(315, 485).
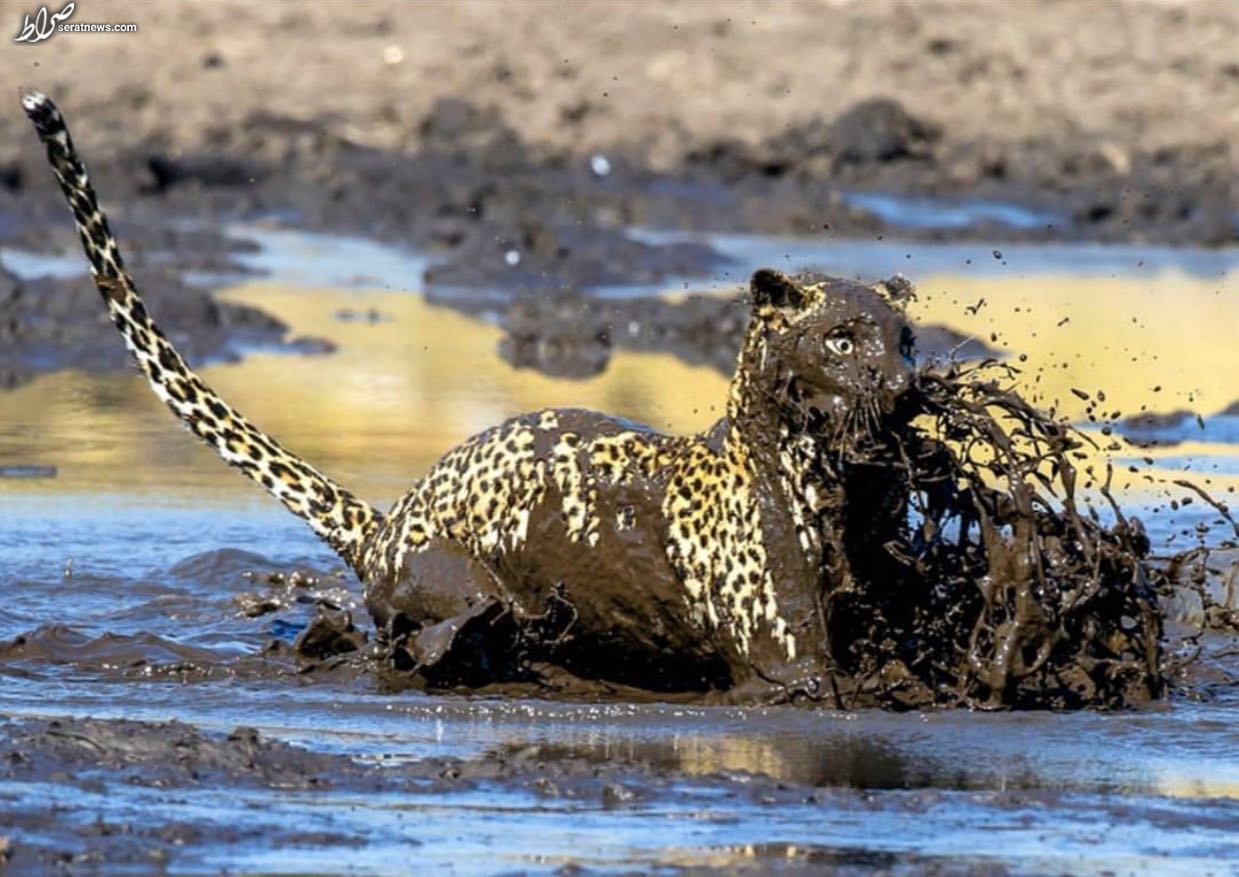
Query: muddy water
point(121, 570)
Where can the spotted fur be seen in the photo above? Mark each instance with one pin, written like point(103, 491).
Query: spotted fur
point(716, 546)
point(482, 494)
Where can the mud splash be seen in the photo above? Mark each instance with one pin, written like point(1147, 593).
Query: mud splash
point(987, 585)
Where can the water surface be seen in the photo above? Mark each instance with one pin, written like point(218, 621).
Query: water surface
point(127, 559)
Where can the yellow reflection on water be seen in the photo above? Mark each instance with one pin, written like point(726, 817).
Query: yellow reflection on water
point(375, 414)
point(399, 393)
point(1157, 343)
point(1124, 337)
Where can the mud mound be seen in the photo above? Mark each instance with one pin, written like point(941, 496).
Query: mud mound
point(177, 755)
point(873, 131)
point(53, 323)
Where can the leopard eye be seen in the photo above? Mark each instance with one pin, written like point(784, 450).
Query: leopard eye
point(841, 345)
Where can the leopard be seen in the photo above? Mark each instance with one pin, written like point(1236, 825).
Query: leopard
point(572, 539)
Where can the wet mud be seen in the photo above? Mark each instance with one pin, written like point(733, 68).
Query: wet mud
point(51, 323)
point(101, 795)
point(1002, 590)
point(334, 776)
point(177, 758)
point(299, 620)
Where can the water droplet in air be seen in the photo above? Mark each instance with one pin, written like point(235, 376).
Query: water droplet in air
point(600, 165)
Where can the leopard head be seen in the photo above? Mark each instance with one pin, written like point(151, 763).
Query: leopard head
point(827, 356)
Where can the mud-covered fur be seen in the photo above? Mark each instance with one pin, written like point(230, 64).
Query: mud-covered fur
point(565, 536)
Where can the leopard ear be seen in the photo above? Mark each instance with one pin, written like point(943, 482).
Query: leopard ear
point(897, 290)
point(773, 289)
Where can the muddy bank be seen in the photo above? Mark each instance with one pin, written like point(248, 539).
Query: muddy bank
point(52, 322)
point(1103, 117)
point(494, 211)
point(98, 796)
point(167, 761)
point(175, 755)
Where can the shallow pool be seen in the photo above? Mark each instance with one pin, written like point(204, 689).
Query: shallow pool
point(125, 549)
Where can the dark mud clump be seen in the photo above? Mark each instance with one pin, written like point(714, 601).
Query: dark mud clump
point(53, 323)
point(330, 633)
point(127, 764)
point(1150, 429)
point(534, 256)
point(979, 579)
point(874, 131)
point(1158, 420)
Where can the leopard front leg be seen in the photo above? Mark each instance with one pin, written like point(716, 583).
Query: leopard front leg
point(447, 618)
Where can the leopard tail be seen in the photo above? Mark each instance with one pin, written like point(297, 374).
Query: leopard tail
point(341, 519)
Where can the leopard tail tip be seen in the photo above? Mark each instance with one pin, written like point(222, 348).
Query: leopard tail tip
point(33, 101)
point(40, 109)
